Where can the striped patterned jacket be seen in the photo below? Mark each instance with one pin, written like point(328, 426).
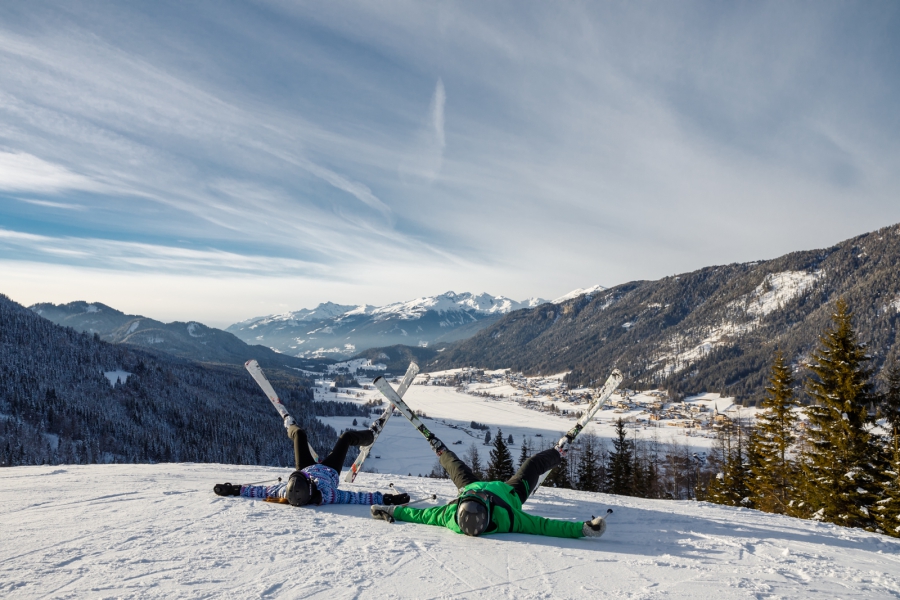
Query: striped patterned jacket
point(326, 480)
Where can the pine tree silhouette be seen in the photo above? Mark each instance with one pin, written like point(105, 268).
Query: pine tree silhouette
point(588, 471)
point(524, 451)
point(501, 465)
point(473, 459)
point(618, 472)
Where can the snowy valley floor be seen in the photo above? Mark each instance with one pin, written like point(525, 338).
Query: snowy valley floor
point(158, 531)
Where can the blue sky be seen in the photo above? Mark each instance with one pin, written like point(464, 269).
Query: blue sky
point(214, 161)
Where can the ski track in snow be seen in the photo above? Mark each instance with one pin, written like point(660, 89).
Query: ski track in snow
point(158, 531)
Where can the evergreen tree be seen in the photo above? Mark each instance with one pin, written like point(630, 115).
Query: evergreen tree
point(640, 470)
point(774, 473)
point(501, 465)
point(890, 402)
point(473, 459)
point(887, 511)
point(525, 451)
point(589, 477)
point(839, 451)
point(438, 471)
point(487, 437)
point(729, 487)
point(618, 471)
point(509, 440)
point(649, 450)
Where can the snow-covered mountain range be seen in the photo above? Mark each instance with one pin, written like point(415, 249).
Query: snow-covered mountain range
point(339, 331)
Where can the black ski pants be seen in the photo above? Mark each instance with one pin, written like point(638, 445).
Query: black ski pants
point(303, 457)
point(523, 482)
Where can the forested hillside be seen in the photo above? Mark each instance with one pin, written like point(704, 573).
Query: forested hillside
point(57, 406)
point(193, 340)
point(715, 329)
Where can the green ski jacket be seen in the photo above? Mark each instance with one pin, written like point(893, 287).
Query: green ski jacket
point(506, 514)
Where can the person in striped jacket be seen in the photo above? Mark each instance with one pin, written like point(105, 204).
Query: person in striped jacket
point(315, 483)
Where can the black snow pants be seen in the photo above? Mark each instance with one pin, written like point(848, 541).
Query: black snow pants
point(303, 458)
point(523, 482)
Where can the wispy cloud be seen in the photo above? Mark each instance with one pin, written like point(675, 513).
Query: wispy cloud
point(111, 254)
point(23, 172)
point(527, 148)
point(49, 204)
point(425, 155)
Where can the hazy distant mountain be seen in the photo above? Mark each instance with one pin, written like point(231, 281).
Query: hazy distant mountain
point(340, 331)
point(189, 340)
point(710, 330)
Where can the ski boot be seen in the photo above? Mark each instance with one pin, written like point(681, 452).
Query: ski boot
point(227, 489)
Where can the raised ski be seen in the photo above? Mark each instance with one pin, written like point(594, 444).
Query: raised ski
point(378, 425)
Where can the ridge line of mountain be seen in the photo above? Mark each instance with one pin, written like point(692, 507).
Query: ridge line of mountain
point(710, 330)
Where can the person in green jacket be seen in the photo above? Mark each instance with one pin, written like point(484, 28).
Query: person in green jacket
point(487, 507)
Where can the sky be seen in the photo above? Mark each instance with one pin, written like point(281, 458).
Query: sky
point(215, 161)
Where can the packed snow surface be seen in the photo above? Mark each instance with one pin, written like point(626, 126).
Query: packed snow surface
point(158, 531)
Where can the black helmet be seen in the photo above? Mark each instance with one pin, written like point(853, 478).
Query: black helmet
point(299, 489)
point(473, 514)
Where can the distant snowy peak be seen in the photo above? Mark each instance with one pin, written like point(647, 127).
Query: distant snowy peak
point(484, 304)
point(325, 310)
point(579, 292)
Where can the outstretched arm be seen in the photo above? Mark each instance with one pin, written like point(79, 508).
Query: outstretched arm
point(526, 523)
point(342, 497)
point(436, 515)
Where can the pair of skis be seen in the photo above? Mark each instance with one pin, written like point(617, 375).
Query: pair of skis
point(377, 426)
point(599, 399)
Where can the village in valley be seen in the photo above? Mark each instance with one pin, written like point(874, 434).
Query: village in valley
point(468, 401)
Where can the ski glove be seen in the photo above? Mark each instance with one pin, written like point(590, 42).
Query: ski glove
point(395, 499)
point(385, 513)
point(594, 528)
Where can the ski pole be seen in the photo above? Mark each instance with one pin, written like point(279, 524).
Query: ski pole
point(608, 514)
point(395, 488)
point(264, 481)
point(420, 500)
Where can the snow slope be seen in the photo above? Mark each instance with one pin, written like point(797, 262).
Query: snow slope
point(578, 292)
point(158, 531)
